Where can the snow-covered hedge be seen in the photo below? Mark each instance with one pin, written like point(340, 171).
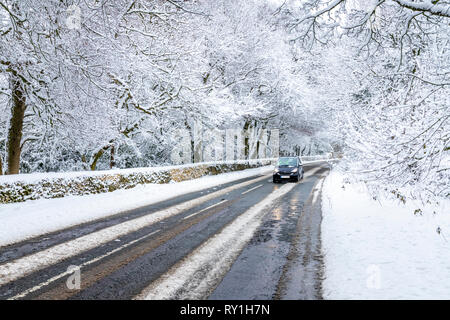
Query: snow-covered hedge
point(18, 188)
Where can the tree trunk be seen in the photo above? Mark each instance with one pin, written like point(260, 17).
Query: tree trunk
point(16, 126)
point(1, 166)
point(246, 139)
point(97, 156)
point(302, 153)
point(112, 161)
point(191, 133)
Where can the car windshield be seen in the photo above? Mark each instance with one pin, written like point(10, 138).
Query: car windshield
point(287, 162)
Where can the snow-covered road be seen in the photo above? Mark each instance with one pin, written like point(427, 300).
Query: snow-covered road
point(165, 242)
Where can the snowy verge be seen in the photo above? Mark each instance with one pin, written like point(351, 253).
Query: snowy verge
point(23, 187)
point(19, 221)
point(380, 249)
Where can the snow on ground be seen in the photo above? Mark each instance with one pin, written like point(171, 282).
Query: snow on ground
point(380, 249)
point(19, 221)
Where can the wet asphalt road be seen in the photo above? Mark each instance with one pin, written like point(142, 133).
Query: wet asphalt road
point(282, 260)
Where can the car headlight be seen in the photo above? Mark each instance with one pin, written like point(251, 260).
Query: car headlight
point(295, 170)
point(276, 170)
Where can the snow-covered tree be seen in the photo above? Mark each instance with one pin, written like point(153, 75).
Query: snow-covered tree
point(389, 61)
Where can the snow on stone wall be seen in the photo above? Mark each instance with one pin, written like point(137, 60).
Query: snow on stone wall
point(18, 188)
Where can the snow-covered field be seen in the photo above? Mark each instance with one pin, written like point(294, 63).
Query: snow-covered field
point(380, 249)
point(19, 221)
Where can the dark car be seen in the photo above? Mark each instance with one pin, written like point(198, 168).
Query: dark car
point(288, 169)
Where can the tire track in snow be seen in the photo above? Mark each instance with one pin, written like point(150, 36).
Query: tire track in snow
point(197, 275)
point(18, 268)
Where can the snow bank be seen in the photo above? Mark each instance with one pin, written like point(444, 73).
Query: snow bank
point(381, 249)
point(23, 187)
